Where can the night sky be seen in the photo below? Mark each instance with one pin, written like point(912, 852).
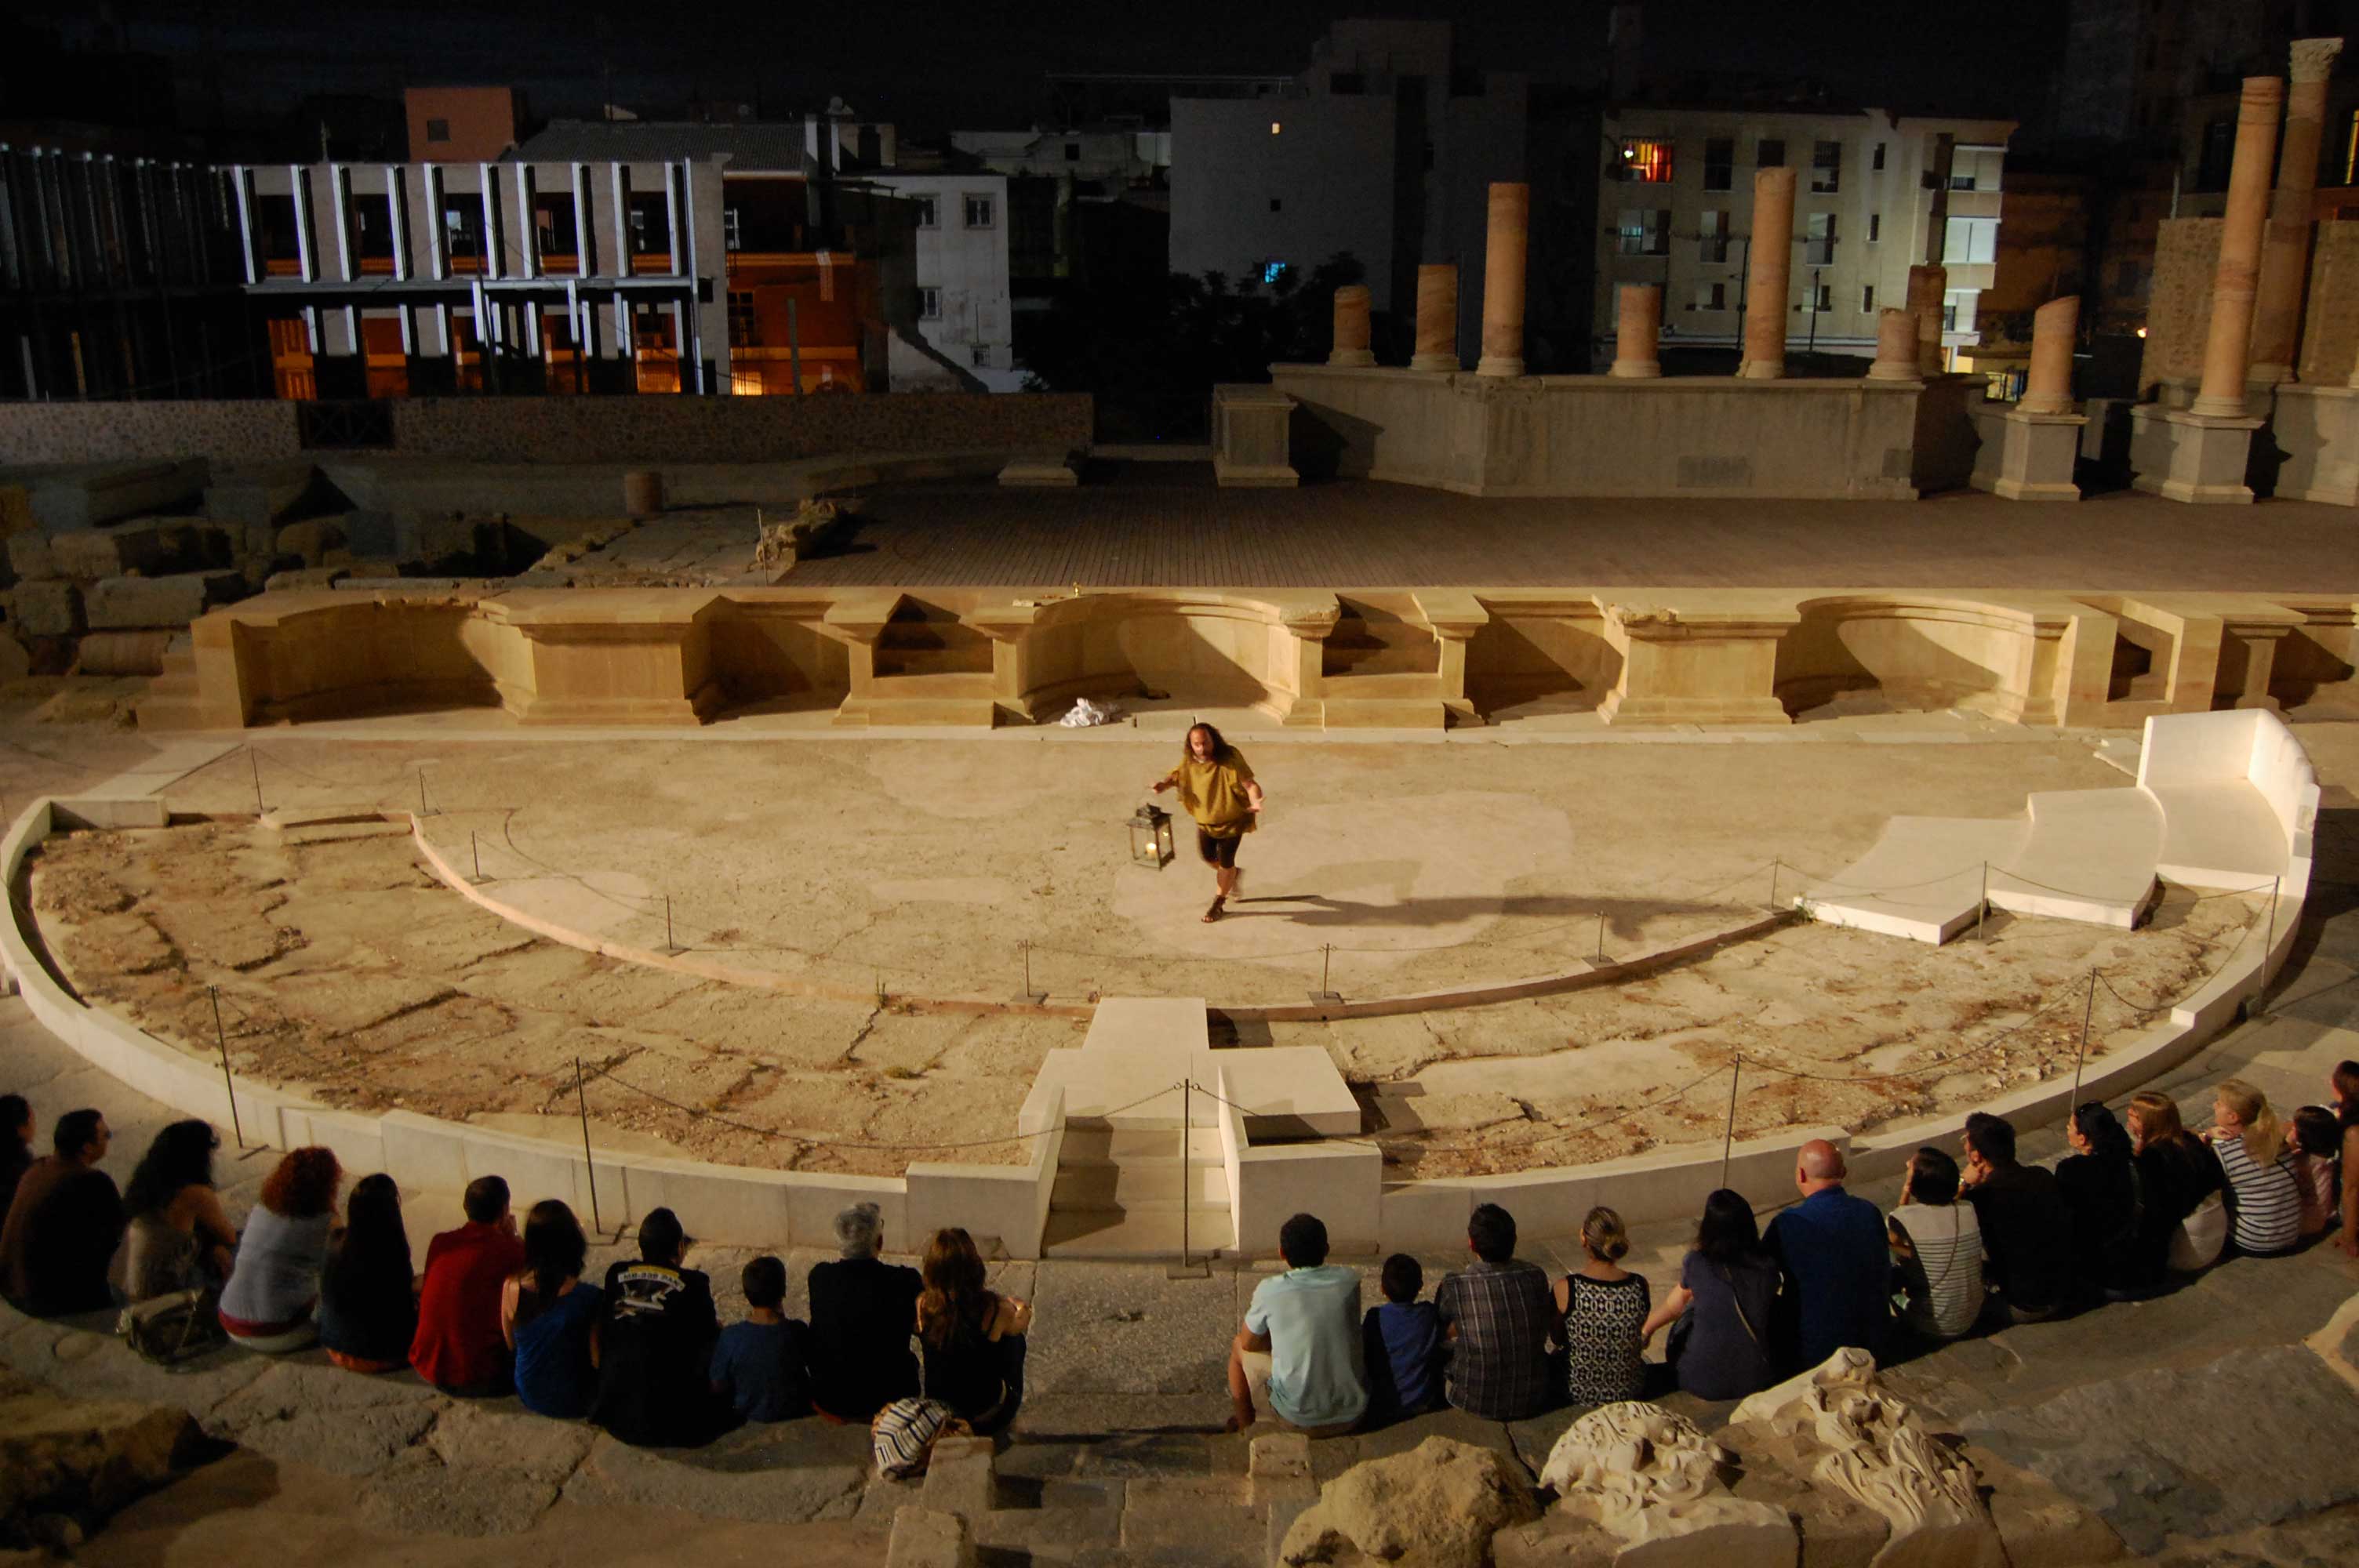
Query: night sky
point(934, 67)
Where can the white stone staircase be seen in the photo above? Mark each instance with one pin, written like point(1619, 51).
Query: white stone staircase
point(1121, 1192)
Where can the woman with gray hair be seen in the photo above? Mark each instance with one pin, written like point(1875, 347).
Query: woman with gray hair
point(862, 1312)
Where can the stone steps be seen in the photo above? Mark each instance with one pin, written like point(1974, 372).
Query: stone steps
point(1117, 1234)
point(1121, 1192)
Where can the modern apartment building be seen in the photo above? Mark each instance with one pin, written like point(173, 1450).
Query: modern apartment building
point(1676, 209)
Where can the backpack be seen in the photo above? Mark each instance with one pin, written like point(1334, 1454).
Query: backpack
point(169, 1329)
point(904, 1433)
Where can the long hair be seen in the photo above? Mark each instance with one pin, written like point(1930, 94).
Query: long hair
point(180, 1156)
point(373, 1253)
point(2156, 1115)
point(954, 1298)
point(2264, 1133)
point(1728, 1233)
point(555, 1250)
point(2346, 1092)
point(303, 1184)
point(1220, 749)
point(2095, 1121)
point(16, 1121)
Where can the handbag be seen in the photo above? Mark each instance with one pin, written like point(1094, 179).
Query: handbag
point(2197, 1241)
point(171, 1329)
point(902, 1435)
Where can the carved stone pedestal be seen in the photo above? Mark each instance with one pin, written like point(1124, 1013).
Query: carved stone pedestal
point(1252, 431)
point(2028, 456)
point(2181, 455)
point(2316, 427)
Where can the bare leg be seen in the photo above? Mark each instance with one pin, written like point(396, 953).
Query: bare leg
point(1226, 880)
point(1240, 1391)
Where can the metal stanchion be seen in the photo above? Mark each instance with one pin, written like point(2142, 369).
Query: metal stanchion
point(2083, 1056)
point(589, 1166)
point(1984, 907)
point(229, 1083)
point(256, 763)
point(1028, 994)
point(1326, 994)
point(1728, 1138)
point(669, 945)
point(1601, 938)
point(1188, 1268)
point(1775, 867)
point(475, 851)
point(423, 809)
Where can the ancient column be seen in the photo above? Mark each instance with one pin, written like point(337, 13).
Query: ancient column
point(1769, 270)
point(2227, 349)
point(1437, 317)
point(1929, 298)
point(2049, 390)
point(1896, 346)
point(2285, 254)
point(1636, 327)
point(1503, 280)
point(1352, 327)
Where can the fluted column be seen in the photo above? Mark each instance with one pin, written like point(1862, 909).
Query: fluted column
point(1768, 273)
point(2048, 389)
point(1503, 280)
point(2227, 351)
point(1896, 346)
point(2285, 254)
point(1437, 317)
point(1352, 335)
point(1928, 298)
point(1637, 327)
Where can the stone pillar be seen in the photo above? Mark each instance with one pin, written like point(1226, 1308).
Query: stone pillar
point(1636, 329)
point(1896, 346)
point(1503, 280)
point(1352, 327)
point(1437, 317)
point(1769, 272)
point(2049, 388)
point(1929, 295)
point(2227, 351)
point(2285, 254)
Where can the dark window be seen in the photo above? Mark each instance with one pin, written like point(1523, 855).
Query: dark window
point(1826, 167)
point(1875, 227)
point(925, 209)
point(438, 130)
point(744, 326)
point(1769, 155)
point(978, 211)
point(1877, 160)
point(1867, 299)
point(1274, 204)
point(1347, 84)
point(1073, 152)
point(1819, 240)
point(1718, 164)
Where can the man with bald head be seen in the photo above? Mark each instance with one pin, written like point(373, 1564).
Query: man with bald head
point(1838, 1268)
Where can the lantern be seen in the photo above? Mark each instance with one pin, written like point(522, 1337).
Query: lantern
point(1151, 836)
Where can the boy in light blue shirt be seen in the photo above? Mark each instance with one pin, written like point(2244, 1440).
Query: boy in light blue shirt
point(1298, 1358)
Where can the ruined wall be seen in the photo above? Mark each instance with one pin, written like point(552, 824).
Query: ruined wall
point(2329, 322)
point(2179, 300)
point(232, 431)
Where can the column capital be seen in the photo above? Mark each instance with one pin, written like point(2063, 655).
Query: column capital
point(2313, 58)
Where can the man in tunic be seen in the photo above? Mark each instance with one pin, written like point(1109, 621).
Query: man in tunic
point(1219, 792)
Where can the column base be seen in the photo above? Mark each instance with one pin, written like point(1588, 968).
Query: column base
point(1883, 370)
point(2187, 456)
point(2029, 456)
point(1499, 365)
point(1352, 357)
point(1761, 370)
point(1438, 361)
point(1635, 369)
point(2316, 427)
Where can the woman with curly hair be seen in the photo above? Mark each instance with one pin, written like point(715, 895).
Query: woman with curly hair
point(974, 1340)
point(1219, 790)
point(274, 1283)
point(178, 1237)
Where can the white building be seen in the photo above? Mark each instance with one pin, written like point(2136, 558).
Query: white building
point(1680, 214)
point(964, 325)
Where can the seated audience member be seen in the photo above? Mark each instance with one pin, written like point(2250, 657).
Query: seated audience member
point(2026, 1229)
point(368, 1296)
point(16, 1146)
point(1498, 1313)
point(1400, 1344)
point(654, 1344)
point(1606, 1309)
point(1720, 1310)
point(176, 1236)
point(546, 1313)
point(274, 1286)
point(1296, 1358)
point(459, 1347)
point(1837, 1262)
point(2100, 1185)
point(1937, 1249)
point(2184, 1220)
point(860, 1311)
point(63, 1225)
point(2264, 1196)
point(761, 1367)
point(2317, 1148)
point(2345, 1082)
point(970, 1339)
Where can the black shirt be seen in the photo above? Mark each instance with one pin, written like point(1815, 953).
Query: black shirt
point(2102, 1195)
point(2027, 1232)
point(656, 1356)
point(58, 1236)
point(2174, 1176)
point(862, 1315)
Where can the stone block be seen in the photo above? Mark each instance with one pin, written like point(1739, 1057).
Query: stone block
point(1559, 1540)
point(311, 539)
point(306, 580)
point(49, 608)
point(1837, 1532)
point(1040, 470)
point(959, 1478)
point(153, 547)
point(69, 1457)
point(87, 494)
point(926, 1537)
point(29, 557)
point(372, 533)
point(264, 496)
point(125, 602)
point(2190, 457)
point(1278, 1455)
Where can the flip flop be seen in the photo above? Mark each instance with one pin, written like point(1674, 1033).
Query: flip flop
point(1214, 913)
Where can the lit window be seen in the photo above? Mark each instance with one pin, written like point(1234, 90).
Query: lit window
point(924, 204)
point(978, 211)
point(728, 227)
point(930, 304)
point(1274, 127)
point(1643, 232)
point(1646, 159)
point(1819, 240)
point(1272, 271)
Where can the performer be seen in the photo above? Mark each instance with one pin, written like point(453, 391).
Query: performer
point(1219, 790)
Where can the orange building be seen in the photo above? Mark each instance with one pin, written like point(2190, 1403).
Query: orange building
point(462, 125)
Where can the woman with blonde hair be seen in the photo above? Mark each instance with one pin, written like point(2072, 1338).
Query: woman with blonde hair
point(972, 1339)
point(2182, 1224)
point(1606, 1320)
point(2264, 1197)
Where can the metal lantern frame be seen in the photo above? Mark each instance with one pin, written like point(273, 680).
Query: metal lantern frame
point(1151, 836)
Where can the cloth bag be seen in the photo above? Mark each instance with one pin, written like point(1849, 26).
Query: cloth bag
point(2200, 1238)
point(902, 1435)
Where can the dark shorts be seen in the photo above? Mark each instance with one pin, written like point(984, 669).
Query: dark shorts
point(1218, 851)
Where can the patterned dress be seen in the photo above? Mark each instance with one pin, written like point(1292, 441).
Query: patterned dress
point(1602, 1320)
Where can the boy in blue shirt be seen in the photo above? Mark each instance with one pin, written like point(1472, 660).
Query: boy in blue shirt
point(758, 1366)
point(1402, 1337)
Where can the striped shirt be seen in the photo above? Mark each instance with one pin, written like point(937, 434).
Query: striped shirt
point(1944, 1281)
point(2265, 1201)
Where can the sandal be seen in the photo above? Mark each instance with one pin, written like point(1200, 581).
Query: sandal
point(1214, 913)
